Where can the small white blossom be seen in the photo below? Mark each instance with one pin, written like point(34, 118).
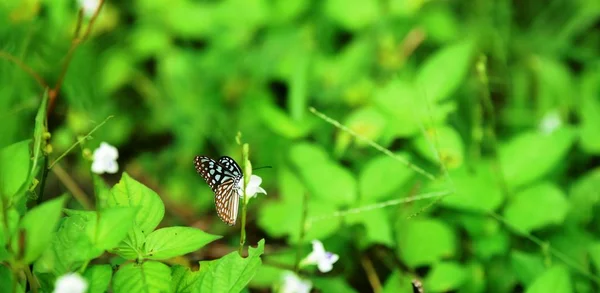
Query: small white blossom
point(89, 6)
point(550, 122)
point(105, 159)
point(253, 186)
point(323, 259)
point(293, 284)
point(70, 283)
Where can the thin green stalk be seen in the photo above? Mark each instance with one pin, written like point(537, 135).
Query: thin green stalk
point(373, 144)
point(247, 168)
point(79, 141)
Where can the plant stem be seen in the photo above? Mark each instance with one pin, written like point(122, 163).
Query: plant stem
point(31, 279)
point(247, 170)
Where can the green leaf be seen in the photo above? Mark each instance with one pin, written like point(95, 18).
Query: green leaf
point(584, 195)
point(529, 209)
point(590, 112)
point(230, 273)
point(445, 276)
point(113, 226)
point(14, 168)
point(594, 251)
point(102, 191)
point(71, 246)
point(39, 142)
point(132, 247)
point(527, 157)
point(130, 193)
point(444, 72)
point(326, 179)
point(183, 280)
point(170, 242)
point(527, 266)
point(150, 276)
point(448, 143)
point(470, 184)
point(555, 279)
point(398, 282)
point(9, 221)
point(367, 122)
point(283, 218)
point(381, 177)
point(424, 241)
point(377, 226)
point(98, 278)
point(353, 14)
point(38, 225)
point(336, 284)
point(396, 101)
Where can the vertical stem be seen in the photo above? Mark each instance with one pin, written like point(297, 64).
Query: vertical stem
point(247, 170)
point(31, 279)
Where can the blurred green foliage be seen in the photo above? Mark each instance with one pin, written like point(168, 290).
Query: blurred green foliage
point(505, 95)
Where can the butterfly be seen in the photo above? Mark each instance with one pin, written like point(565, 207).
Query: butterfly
point(223, 177)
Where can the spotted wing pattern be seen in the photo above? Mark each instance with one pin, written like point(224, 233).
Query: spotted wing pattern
point(223, 178)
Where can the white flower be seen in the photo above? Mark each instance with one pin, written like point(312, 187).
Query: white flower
point(293, 284)
point(89, 6)
point(70, 283)
point(323, 259)
point(253, 186)
point(550, 122)
point(105, 159)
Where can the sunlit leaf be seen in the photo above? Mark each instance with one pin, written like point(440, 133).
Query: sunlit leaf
point(149, 276)
point(231, 273)
point(555, 279)
point(169, 242)
point(130, 193)
point(98, 278)
point(38, 227)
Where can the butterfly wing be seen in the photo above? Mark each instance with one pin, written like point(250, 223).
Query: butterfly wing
point(227, 201)
point(230, 165)
point(223, 180)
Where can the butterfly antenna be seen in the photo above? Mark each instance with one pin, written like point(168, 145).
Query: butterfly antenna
point(263, 167)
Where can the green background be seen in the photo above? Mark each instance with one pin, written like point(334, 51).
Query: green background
point(504, 94)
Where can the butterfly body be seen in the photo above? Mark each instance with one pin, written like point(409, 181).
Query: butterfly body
point(224, 177)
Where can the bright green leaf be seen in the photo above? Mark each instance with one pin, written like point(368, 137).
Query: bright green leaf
point(446, 141)
point(366, 122)
point(150, 276)
point(113, 226)
point(445, 276)
point(555, 279)
point(230, 273)
point(377, 227)
point(284, 218)
point(98, 278)
point(594, 251)
point(398, 282)
point(38, 137)
point(443, 73)
point(71, 246)
point(38, 225)
point(424, 241)
point(470, 184)
point(529, 209)
point(169, 242)
point(183, 280)
point(527, 157)
point(132, 247)
point(354, 14)
point(130, 193)
point(14, 168)
point(335, 284)
point(527, 266)
point(381, 176)
point(583, 197)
